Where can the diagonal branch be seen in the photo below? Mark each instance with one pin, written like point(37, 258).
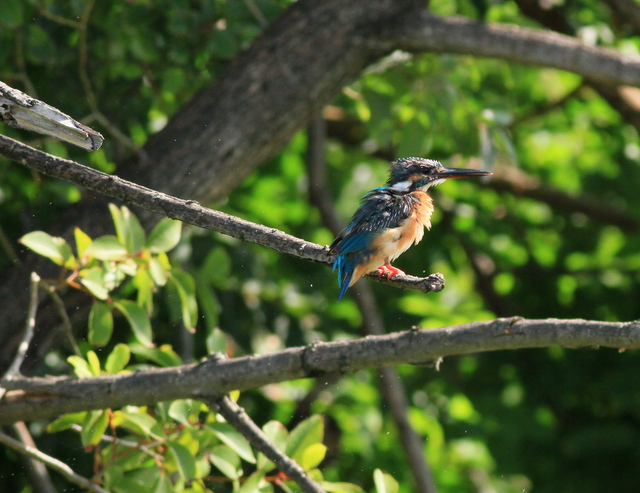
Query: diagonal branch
point(189, 211)
point(35, 398)
point(50, 462)
point(238, 418)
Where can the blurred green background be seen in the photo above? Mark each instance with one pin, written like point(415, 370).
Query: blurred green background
point(549, 420)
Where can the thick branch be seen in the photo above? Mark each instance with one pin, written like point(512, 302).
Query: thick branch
point(35, 398)
point(425, 32)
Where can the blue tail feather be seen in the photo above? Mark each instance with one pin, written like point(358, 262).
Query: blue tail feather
point(345, 273)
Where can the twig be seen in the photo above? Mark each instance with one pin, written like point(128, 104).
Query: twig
point(190, 211)
point(390, 383)
point(238, 418)
point(37, 472)
point(29, 328)
point(50, 462)
point(66, 321)
point(35, 398)
point(127, 443)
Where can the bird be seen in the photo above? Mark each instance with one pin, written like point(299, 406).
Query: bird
point(390, 219)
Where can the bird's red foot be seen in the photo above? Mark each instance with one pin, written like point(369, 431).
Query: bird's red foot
point(388, 271)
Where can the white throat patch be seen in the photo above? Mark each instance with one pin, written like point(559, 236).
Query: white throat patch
point(402, 186)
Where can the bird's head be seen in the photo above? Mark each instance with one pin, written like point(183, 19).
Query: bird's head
point(414, 173)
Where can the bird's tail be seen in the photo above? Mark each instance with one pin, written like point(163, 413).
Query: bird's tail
point(345, 273)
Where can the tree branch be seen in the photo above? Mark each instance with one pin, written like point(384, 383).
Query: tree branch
point(35, 398)
point(425, 32)
point(190, 211)
point(238, 418)
point(50, 462)
point(21, 111)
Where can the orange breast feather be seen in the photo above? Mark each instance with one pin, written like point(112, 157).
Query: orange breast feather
point(395, 241)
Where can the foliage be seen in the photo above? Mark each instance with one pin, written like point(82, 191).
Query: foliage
point(507, 422)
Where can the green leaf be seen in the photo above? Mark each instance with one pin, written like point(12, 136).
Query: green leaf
point(340, 487)
point(163, 356)
point(138, 319)
point(45, 245)
point(252, 483)
point(80, 366)
point(158, 272)
point(130, 233)
point(100, 324)
point(216, 342)
point(106, 248)
point(384, 482)
point(183, 458)
point(163, 485)
point(180, 410)
point(278, 435)
point(118, 359)
point(226, 460)
point(164, 236)
point(93, 280)
point(138, 422)
point(186, 288)
point(232, 437)
point(312, 456)
point(94, 426)
point(145, 289)
point(94, 363)
point(308, 432)
point(66, 421)
point(82, 241)
point(12, 14)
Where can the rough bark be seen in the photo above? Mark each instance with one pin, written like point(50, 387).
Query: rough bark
point(35, 398)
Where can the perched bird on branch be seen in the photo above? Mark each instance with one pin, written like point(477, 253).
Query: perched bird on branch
point(390, 219)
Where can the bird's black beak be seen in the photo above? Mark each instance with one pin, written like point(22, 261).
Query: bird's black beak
point(460, 173)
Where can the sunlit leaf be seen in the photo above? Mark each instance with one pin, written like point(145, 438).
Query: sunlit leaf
point(80, 366)
point(94, 426)
point(93, 280)
point(45, 245)
point(307, 433)
point(226, 460)
point(183, 458)
point(232, 437)
point(82, 241)
point(384, 482)
point(164, 236)
point(106, 248)
point(118, 358)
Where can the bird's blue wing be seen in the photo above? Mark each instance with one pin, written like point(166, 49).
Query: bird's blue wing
point(381, 209)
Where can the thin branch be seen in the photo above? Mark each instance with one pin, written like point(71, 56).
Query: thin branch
point(190, 211)
point(146, 448)
point(238, 418)
point(35, 398)
point(30, 325)
point(51, 463)
point(37, 472)
point(426, 32)
point(62, 311)
point(390, 383)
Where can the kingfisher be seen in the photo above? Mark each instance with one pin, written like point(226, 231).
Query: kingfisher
point(390, 219)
